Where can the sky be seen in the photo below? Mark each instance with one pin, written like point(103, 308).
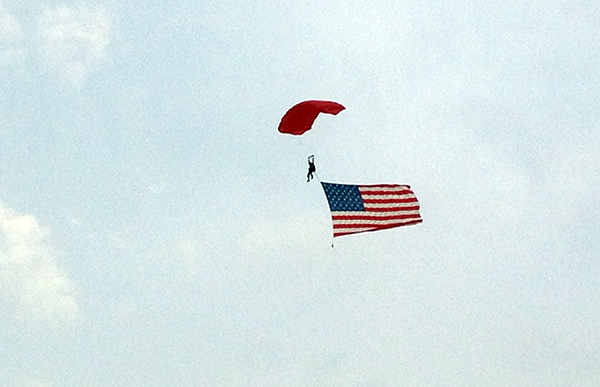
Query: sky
point(157, 230)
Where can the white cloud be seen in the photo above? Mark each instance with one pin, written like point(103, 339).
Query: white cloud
point(295, 234)
point(11, 38)
point(191, 255)
point(74, 41)
point(29, 274)
point(29, 382)
point(574, 182)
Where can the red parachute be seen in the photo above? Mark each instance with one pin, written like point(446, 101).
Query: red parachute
point(300, 117)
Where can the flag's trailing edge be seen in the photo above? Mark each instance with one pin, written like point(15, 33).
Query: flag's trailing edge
point(362, 208)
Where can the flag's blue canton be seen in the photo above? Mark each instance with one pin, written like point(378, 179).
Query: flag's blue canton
point(342, 197)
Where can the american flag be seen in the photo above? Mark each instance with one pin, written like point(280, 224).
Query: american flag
point(361, 208)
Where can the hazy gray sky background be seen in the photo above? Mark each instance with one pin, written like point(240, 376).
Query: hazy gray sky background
point(157, 230)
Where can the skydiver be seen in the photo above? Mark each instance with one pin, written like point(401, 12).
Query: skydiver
point(311, 168)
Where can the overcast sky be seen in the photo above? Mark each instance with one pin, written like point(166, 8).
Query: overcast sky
point(157, 230)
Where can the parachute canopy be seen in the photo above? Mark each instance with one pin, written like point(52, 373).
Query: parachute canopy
point(300, 117)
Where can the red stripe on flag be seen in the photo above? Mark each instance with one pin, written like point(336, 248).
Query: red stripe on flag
point(390, 200)
point(390, 209)
point(399, 191)
point(365, 218)
point(370, 186)
point(338, 232)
